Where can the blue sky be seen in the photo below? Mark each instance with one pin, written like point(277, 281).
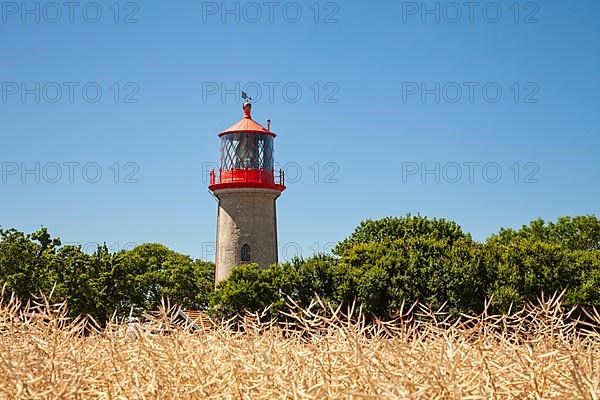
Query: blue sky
point(388, 90)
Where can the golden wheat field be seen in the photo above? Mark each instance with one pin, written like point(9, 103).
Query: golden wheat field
point(539, 352)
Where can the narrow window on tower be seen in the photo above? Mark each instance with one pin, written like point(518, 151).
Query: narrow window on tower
point(246, 253)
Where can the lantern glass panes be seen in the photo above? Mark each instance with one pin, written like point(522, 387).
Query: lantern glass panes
point(246, 151)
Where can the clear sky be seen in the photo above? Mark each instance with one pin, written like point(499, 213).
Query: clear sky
point(462, 91)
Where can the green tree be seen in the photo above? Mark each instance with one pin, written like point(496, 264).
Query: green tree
point(78, 279)
point(250, 288)
point(574, 233)
point(527, 267)
point(190, 283)
point(24, 261)
point(312, 277)
point(150, 272)
point(380, 277)
point(394, 228)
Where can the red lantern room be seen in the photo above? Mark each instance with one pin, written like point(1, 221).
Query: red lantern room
point(247, 157)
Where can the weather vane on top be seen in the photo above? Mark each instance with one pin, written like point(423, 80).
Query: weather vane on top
point(246, 97)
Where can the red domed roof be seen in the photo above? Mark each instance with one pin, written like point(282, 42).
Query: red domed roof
point(247, 124)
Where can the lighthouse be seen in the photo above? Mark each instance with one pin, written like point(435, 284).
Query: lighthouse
point(246, 188)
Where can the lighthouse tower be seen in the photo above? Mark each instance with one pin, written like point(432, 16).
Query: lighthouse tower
point(246, 187)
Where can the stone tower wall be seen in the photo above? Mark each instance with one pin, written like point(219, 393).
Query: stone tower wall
point(246, 216)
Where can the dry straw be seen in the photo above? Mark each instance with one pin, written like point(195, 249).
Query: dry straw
point(540, 352)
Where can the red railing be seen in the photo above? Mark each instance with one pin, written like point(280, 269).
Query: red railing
point(247, 176)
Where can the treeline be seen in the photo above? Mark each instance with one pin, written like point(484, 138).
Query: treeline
point(102, 283)
point(381, 265)
point(387, 262)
